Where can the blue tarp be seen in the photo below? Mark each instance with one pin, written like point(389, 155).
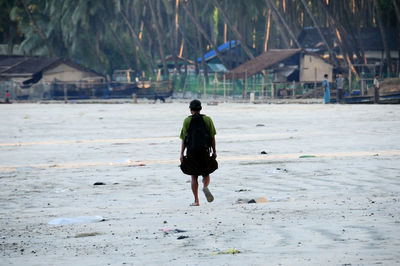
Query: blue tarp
point(211, 54)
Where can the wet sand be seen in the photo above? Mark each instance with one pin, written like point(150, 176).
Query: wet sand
point(330, 173)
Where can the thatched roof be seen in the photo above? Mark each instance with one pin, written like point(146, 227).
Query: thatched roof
point(261, 62)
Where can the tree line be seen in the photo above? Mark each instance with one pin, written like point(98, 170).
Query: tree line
point(147, 35)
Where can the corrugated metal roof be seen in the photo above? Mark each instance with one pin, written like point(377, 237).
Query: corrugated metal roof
point(223, 47)
point(260, 63)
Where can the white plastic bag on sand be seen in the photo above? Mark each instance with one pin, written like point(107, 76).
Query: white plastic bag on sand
point(77, 220)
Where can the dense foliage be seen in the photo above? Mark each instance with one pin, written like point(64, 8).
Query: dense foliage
point(140, 34)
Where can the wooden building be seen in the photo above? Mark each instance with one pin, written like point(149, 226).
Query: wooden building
point(313, 68)
point(286, 65)
point(38, 77)
point(30, 70)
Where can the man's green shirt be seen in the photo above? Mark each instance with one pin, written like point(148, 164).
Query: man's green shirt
point(207, 120)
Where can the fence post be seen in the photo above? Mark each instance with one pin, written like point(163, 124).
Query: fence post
point(294, 90)
point(233, 85)
point(254, 86)
point(263, 88)
point(14, 90)
point(65, 92)
point(315, 83)
point(204, 84)
point(224, 88)
point(362, 85)
point(272, 91)
point(362, 93)
point(245, 86)
point(215, 85)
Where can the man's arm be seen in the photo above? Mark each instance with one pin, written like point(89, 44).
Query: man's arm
point(213, 147)
point(183, 146)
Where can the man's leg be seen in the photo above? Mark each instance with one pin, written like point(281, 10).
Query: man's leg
point(206, 180)
point(207, 193)
point(195, 187)
point(376, 95)
point(340, 96)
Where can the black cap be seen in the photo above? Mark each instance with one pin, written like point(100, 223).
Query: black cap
point(195, 105)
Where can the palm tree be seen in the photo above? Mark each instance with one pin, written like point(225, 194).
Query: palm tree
point(8, 27)
point(37, 28)
point(383, 34)
point(233, 28)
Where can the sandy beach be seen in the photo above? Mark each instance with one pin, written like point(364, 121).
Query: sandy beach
point(330, 174)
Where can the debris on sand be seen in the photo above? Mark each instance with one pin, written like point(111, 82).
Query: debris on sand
point(229, 251)
point(278, 170)
point(307, 156)
point(88, 234)
point(256, 200)
point(77, 220)
point(242, 190)
point(169, 230)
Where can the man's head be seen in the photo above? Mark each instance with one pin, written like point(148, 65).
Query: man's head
point(326, 76)
point(195, 106)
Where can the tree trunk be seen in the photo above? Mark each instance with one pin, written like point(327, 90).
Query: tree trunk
point(171, 41)
point(397, 12)
point(267, 31)
point(282, 20)
point(284, 40)
point(205, 35)
point(331, 53)
point(203, 61)
point(383, 35)
point(175, 38)
point(346, 42)
point(348, 32)
point(94, 48)
point(159, 37)
point(184, 55)
point(38, 29)
point(233, 28)
point(396, 9)
point(12, 31)
point(119, 44)
point(148, 61)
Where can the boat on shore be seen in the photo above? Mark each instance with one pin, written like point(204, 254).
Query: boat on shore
point(389, 93)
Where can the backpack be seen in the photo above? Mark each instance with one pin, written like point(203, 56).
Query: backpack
point(197, 137)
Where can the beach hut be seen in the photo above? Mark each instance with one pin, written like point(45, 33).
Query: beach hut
point(24, 72)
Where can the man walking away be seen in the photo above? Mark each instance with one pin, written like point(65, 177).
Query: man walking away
point(339, 88)
point(325, 87)
point(376, 89)
point(7, 97)
point(198, 137)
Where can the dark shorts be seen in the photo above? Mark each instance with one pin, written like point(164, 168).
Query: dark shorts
point(199, 163)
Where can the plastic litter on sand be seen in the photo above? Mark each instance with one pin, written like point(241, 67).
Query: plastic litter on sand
point(77, 220)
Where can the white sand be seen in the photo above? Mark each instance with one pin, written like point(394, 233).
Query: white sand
point(338, 208)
